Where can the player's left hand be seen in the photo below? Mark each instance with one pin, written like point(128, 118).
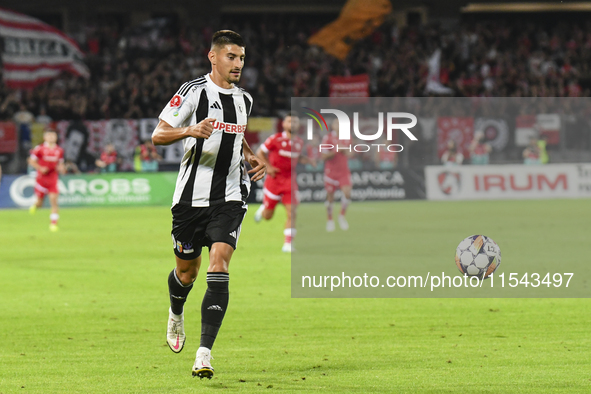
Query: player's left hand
point(259, 169)
point(271, 171)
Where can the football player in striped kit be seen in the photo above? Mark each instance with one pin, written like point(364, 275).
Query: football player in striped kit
point(209, 114)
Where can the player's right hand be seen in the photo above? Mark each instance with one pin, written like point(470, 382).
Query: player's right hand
point(43, 170)
point(202, 129)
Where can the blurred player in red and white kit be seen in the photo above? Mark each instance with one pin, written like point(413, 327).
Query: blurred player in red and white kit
point(336, 175)
point(47, 159)
point(281, 152)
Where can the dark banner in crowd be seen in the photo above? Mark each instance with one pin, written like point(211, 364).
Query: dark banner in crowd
point(370, 185)
point(83, 141)
point(496, 131)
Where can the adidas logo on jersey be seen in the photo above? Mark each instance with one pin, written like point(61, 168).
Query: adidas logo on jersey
point(233, 234)
point(216, 105)
point(215, 308)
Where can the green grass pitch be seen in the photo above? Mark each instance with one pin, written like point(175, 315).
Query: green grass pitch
point(84, 310)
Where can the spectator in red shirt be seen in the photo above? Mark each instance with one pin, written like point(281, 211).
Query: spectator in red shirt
point(149, 157)
point(479, 150)
point(451, 157)
point(108, 161)
point(531, 154)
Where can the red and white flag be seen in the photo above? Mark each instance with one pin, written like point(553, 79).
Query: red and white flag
point(353, 89)
point(35, 52)
point(434, 84)
point(536, 126)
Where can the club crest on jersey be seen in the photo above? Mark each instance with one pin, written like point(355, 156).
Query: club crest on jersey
point(229, 127)
point(240, 108)
point(176, 101)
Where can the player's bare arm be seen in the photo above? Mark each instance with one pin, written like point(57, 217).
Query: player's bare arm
point(259, 168)
point(263, 156)
point(346, 151)
point(165, 134)
point(61, 168)
point(307, 160)
point(328, 155)
point(35, 164)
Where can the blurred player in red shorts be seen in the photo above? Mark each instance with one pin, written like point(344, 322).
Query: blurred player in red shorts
point(336, 175)
point(281, 153)
point(47, 159)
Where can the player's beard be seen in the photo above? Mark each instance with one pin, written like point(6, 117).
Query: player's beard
point(233, 78)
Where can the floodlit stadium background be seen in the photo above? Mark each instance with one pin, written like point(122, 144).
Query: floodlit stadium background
point(137, 59)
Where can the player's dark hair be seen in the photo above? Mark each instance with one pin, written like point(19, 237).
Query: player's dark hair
point(293, 114)
point(226, 37)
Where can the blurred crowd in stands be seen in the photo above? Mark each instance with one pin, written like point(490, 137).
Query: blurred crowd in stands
point(134, 72)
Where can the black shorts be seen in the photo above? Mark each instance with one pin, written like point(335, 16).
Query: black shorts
point(196, 227)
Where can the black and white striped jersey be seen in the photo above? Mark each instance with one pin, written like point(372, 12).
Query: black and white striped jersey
point(212, 170)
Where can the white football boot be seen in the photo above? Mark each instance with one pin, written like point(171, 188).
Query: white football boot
point(343, 223)
point(175, 334)
point(287, 248)
point(258, 215)
point(202, 366)
point(330, 226)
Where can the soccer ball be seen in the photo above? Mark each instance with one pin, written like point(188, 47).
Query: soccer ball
point(478, 255)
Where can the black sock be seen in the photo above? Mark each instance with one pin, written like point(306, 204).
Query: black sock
point(178, 293)
point(213, 307)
